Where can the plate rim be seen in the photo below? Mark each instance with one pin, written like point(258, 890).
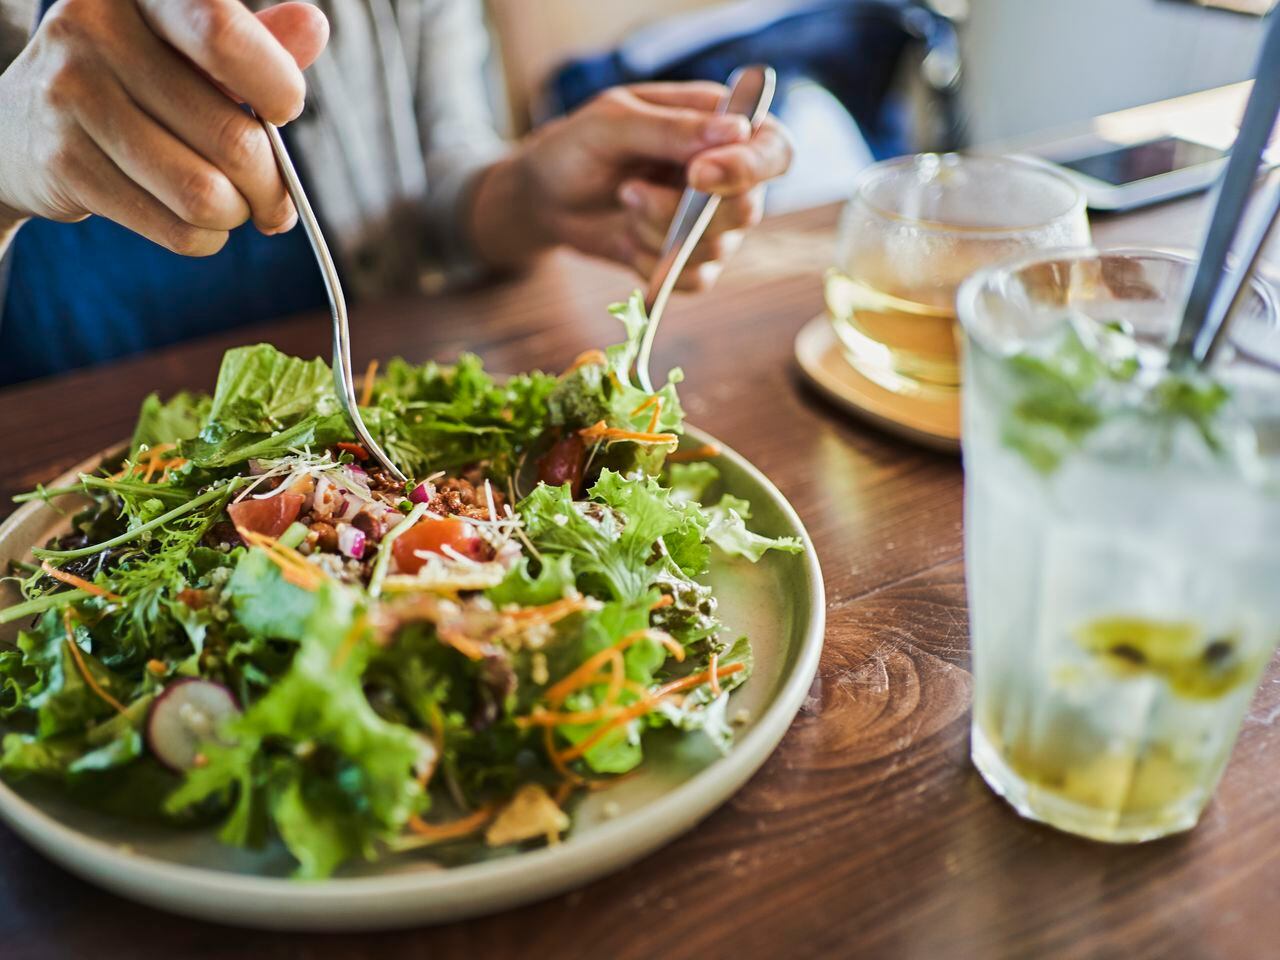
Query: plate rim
point(459, 891)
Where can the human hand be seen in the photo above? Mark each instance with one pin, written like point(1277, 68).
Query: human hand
point(122, 109)
point(607, 179)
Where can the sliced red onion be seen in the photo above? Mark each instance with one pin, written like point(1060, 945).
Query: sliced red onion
point(422, 493)
point(358, 470)
point(351, 542)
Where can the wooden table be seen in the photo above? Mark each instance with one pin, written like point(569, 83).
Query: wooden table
point(868, 833)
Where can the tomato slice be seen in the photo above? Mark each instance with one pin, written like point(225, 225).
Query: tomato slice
point(270, 516)
point(563, 463)
point(431, 535)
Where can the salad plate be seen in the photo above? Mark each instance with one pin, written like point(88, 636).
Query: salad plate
point(776, 601)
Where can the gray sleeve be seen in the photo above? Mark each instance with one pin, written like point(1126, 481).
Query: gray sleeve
point(455, 122)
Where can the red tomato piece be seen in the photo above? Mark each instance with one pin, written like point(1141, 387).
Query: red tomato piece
point(431, 535)
point(269, 517)
point(563, 463)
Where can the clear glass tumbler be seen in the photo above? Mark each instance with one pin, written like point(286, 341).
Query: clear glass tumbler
point(914, 229)
point(1122, 538)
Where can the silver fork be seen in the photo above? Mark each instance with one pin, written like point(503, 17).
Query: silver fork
point(750, 94)
point(337, 303)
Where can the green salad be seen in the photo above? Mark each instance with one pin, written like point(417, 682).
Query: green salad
point(252, 624)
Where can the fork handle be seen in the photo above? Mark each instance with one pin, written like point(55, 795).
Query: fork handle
point(750, 94)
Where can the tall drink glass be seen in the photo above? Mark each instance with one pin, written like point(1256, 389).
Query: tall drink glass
point(915, 227)
point(1122, 539)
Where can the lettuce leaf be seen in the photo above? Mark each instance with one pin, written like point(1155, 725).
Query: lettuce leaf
point(180, 418)
point(266, 604)
point(335, 776)
point(605, 391)
point(260, 389)
point(612, 540)
point(727, 529)
point(433, 417)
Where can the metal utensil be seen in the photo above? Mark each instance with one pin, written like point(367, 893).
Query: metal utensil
point(1208, 302)
point(1237, 284)
point(337, 302)
point(750, 93)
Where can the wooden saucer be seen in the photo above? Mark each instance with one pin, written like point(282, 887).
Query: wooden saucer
point(928, 422)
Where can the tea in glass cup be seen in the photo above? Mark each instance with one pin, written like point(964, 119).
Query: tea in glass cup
point(915, 228)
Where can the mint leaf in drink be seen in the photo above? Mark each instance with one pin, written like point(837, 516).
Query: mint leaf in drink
point(1091, 374)
point(1197, 400)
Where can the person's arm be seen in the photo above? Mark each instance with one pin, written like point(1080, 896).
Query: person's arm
point(121, 109)
point(605, 180)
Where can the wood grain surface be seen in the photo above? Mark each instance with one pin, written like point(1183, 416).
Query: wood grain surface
point(868, 833)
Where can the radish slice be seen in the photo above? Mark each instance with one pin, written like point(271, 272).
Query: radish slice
point(185, 716)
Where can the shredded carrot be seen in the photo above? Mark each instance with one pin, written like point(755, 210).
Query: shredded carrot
point(644, 706)
point(703, 452)
point(584, 358)
point(617, 677)
point(157, 668)
point(563, 792)
point(78, 657)
point(293, 566)
point(173, 463)
point(665, 600)
point(357, 450)
point(366, 390)
point(458, 828)
point(711, 668)
point(71, 580)
point(349, 641)
point(154, 458)
point(583, 674)
point(649, 402)
point(656, 415)
point(551, 612)
point(562, 768)
point(548, 718)
point(602, 431)
point(460, 642)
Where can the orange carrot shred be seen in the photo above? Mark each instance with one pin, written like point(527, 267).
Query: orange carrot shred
point(366, 391)
point(645, 706)
point(453, 830)
point(562, 768)
point(83, 667)
point(665, 600)
point(584, 358)
point(711, 669)
point(349, 642)
point(703, 452)
point(357, 450)
point(657, 414)
point(602, 431)
point(648, 402)
point(71, 580)
point(293, 566)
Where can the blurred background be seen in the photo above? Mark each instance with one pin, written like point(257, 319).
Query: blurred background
point(867, 79)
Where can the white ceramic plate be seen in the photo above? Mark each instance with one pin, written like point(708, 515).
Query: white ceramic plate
point(778, 603)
